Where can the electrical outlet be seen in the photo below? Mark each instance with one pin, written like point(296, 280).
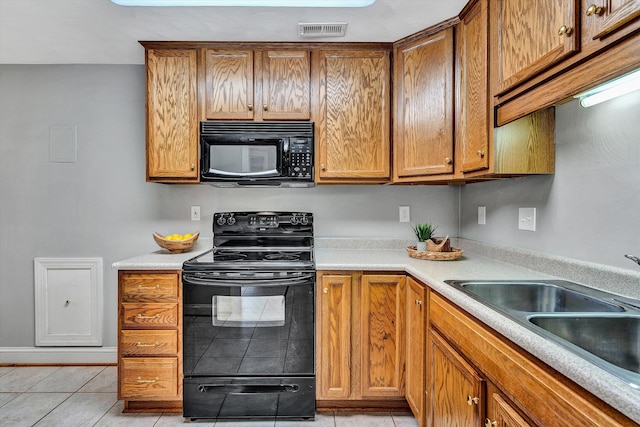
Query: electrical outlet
point(482, 215)
point(195, 213)
point(405, 213)
point(527, 219)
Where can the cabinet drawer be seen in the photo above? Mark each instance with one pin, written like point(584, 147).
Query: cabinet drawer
point(148, 343)
point(149, 287)
point(142, 377)
point(149, 315)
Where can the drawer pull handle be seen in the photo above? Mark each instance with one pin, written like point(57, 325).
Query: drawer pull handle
point(140, 380)
point(155, 344)
point(472, 400)
point(140, 316)
point(148, 287)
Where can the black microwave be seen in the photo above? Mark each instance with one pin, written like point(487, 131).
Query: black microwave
point(278, 154)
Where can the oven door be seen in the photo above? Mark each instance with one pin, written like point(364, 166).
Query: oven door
point(248, 324)
point(238, 158)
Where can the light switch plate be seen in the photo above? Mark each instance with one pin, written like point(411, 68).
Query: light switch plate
point(195, 213)
point(405, 213)
point(482, 215)
point(527, 219)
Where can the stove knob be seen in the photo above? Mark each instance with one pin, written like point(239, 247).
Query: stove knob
point(231, 220)
point(220, 220)
point(294, 219)
point(304, 220)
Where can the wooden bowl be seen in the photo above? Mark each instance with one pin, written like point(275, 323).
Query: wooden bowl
point(175, 246)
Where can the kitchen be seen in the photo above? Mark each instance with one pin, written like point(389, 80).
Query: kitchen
point(102, 206)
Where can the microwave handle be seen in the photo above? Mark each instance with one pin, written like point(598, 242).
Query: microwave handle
point(286, 155)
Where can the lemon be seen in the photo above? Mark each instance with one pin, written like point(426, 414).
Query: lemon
point(176, 236)
point(187, 236)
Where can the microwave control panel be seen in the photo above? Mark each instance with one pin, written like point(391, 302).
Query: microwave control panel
point(301, 155)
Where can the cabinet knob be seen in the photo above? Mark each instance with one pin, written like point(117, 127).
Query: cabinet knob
point(325, 290)
point(447, 160)
point(489, 423)
point(418, 302)
point(264, 107)
point(323, 167)
point(193, 166)
point(250, 107)
point(480, 153)
point(564, 30)
point(595, 10)
point(472, 400)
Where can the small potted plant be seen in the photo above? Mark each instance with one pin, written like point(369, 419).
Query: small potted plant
point(423, 233)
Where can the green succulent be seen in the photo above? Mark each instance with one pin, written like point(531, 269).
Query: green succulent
point(425, 231)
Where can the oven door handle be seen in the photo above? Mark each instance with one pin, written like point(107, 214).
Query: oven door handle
point(250, 280)
point(247, 388)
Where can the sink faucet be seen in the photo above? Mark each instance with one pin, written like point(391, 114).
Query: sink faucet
point(633, 258)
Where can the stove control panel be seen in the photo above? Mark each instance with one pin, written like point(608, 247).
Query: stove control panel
point(262, 221)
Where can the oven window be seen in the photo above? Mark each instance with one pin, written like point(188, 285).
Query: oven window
point(244, 160)
point(245, 311)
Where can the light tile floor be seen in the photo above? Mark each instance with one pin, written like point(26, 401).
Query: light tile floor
point(85, 396)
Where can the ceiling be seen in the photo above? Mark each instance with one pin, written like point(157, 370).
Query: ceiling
point(101, 32)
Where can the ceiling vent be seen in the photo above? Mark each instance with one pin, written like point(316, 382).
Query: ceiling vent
point(322, 29)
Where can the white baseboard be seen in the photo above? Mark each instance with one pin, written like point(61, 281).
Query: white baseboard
point(61, 356)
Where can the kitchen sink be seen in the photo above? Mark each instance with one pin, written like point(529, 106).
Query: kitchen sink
point(598, 326)
point(613, 338)
point(536, 297)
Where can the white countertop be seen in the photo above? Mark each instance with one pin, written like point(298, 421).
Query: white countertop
point(340, 254)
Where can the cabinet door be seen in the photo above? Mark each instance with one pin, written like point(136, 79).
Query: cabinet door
point(285, 85)
point(473, 128)
point(416, 312)
point(457, 390)
point(500, 413)
point(382, 340)
point(228, 84)
point(334, 335)
point(602, 17)
point(172, 118)
point(353, 130)
point(530, 36)
point(423, 142)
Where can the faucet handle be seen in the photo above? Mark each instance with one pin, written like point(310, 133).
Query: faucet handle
point(633, 258)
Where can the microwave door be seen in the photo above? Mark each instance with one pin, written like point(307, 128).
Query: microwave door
point(254, 159)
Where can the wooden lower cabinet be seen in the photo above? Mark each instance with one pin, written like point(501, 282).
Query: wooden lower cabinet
point(360, 340)
point(512, 388)
point(150, 340)
point(416, 308)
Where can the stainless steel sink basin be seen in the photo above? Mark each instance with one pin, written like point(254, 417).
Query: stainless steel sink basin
point(536, 297)
point(598, 326)
point(613, 338)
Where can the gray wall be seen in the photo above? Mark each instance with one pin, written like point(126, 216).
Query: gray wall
point(101, 205)
point(590, 209)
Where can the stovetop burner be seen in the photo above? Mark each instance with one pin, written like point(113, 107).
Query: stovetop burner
point(258, 240)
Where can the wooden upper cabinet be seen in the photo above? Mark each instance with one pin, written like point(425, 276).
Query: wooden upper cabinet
point(228, 84)
point(473, 126)
point(248, 84)
point(382, 311)
point(531, 36)
point(353, 121)
point(286, 78)
point(602, 17)
point(423, 128)
point(172, 115)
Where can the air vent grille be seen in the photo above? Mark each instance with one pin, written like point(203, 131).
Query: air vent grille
point(280, 129)
point(322, 29)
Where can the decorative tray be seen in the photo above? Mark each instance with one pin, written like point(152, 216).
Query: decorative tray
point(435, 256)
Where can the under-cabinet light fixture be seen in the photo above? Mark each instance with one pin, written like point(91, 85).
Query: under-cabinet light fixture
point(621, 86)
point(255, 3)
